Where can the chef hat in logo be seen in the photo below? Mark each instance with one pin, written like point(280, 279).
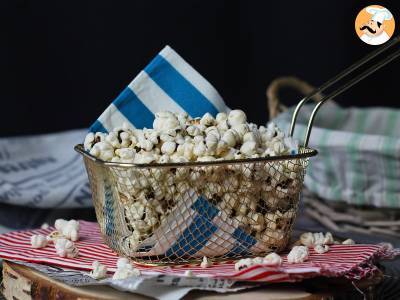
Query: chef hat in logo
point(379, 14)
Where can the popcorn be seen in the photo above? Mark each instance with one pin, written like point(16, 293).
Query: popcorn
point(250, 136)
point(65, 248)
point(199, 149)
point(165, 120)
point(320, 249)
point(152, 135)
point(38, 241)
point(307, 239)
point(99, 270)
point(270, 236)
point(236, 117)
point(188, 150)
point(164, 137)
point(278, 147)
point(182, 118)
point(328, 239)
point(145, 158)
point(248, 148)
point(298, 254)
point(310, 239)
point(242, 219)
point(257, 260)
point(193, 130)
point(243, 264)
point(213, 130)
point(69, 229)
point(125, 270)
point(114, 139)
point(221, 117)
point(145, 144)
point(230, 137)
point(102, 150)
point(207, 120)
point(251, 195)
point(126, 154)
point(211, 142)
point(179, 139)
point(348, 242)
point(205, 263)
point(89, 141)
point(256, 221)
point(207, 158)
point(45, 226)
point(168, 147)
point(222, 147)
point(272, 259)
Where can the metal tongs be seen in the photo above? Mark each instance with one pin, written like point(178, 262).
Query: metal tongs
point(346, 85)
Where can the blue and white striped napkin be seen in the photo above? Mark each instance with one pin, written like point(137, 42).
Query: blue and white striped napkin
point(170, 83)
point(167, 83)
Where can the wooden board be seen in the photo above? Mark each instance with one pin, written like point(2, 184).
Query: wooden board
point(23, 283)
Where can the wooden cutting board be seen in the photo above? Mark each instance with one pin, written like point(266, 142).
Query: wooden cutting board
point(23, 283)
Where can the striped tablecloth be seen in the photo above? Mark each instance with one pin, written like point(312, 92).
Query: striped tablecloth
point(350, 261)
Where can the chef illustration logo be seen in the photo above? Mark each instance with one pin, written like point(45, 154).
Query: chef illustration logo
point(375, 25)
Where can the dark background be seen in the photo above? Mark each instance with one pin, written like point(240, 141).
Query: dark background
point(63, 62)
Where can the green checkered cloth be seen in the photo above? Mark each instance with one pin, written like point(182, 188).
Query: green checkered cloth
point(359, 153)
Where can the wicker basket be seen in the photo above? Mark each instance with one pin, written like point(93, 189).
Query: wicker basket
point(178, 213)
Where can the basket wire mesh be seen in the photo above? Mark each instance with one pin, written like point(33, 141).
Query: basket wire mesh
point(180, 212)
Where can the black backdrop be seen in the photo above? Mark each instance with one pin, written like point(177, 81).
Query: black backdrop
point(62, 62)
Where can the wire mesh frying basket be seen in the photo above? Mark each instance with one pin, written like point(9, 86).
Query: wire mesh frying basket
point(179, 212)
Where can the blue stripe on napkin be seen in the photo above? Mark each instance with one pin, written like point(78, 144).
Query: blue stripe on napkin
point(108, 209)
point(199, 231)
point(193, 238)
point(131, 107)
point(98, 127)
point(205, 208)
point(238, 249)
point(179, 88)
point(183, 85)
point(243, 243)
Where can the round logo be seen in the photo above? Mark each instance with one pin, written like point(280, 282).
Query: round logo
point(374, 25)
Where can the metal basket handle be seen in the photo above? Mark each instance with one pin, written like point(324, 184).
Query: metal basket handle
point(344, 87)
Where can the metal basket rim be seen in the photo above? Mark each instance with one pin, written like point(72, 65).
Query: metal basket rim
point(309, 152)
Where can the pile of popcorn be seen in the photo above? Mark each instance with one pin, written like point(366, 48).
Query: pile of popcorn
point(180, 138)
point(259, 196)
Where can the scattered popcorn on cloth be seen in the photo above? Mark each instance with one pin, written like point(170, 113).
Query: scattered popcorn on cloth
point(355, 262)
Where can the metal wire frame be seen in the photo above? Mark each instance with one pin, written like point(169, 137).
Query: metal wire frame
point(354, 67)
point(147, 212)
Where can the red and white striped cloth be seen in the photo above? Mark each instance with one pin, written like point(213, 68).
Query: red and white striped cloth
point(351, 261)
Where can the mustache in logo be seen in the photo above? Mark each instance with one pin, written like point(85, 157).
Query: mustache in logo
point(368, 28)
